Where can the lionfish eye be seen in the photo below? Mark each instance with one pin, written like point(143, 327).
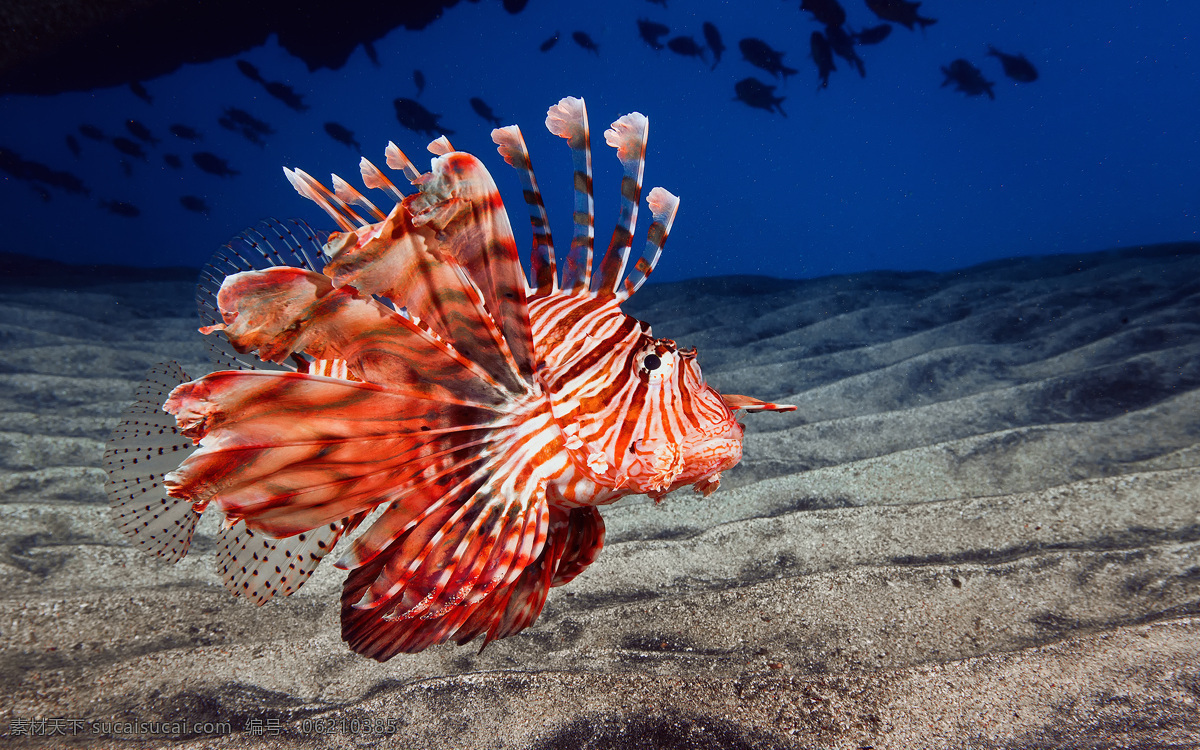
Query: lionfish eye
point(651, 362)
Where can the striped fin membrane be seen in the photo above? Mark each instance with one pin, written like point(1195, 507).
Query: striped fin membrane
point(144, 447)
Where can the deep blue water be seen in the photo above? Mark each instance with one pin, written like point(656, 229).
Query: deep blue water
point(890, 170)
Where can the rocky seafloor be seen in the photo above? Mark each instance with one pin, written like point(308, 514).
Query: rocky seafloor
point(980, 529)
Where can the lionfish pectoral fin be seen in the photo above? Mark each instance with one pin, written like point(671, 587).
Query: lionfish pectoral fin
point(141, 451)
point(747, 403)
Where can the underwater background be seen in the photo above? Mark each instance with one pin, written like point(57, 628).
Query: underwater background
point(887, 170)
point(976, 275)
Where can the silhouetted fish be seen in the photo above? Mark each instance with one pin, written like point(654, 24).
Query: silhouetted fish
point(36, 172)
point(121, 208)
point(663, 3)
point(686, 46)
point(827, 12)
point(967, 78)
point(185, 132)
point(1016, 67)
point(194, 203)
point(822, 55)
point(483, 110)
point(342, 134)
point(140, 131)
point(247, 120)
point(129, 148)
point(902, 12)
point(713, 37)
point(212, 164)
point(873, 35)
point(250, 71)
point(74, 146)
point(172, 160)
point(372, 53)
point(759, 54)
point(140, 92)
point(515, 6)
point(585, 41)
point(758, 94)
point(843, 46)
point(415, 117)
point(546, 45)
point(93, 132)
point(286, 94)
point(419, 81)
point(652, 32)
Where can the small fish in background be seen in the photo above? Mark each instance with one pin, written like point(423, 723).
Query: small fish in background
point(899, 11)
point(140, 92)
point(686, 46)
point(515, 6)
point(121, 208)
point(483, 110)
point(652, 32)
point(759, 54)
point(185, 132)
point(547, 45)
point(93, 132)
point(213, 164)
point(967, 78)
point(1016, 67)
point(663, 3)
point(372, 53)
point(585, 41)
point(245, 124)
point(287, 95)
point(342, 134)
point(250, 71)
point(141, 132)
point(827, 12)
point(173, 160)
point(35, 173)
point(129, 148)
point(416, 118)
point(73, 144)
point(822, 54)
point(759, 95)
point(873, 34)
point(194, 203)
point(842, 45)
point(712, 37)
point(419, 81)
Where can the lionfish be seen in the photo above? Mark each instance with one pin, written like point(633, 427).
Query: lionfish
point(403, 374)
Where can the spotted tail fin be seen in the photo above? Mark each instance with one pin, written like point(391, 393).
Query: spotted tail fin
point(568, 119)
point(141, 451)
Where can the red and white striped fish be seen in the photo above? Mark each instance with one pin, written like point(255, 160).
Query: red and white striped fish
point(414, 375)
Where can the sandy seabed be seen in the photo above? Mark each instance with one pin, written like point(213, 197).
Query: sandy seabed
point(980, 529)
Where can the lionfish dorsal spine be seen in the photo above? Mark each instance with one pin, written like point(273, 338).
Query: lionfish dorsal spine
point(568, 119)
point(346, 192)
point(628, 136)
point(663, 207)
point(337, 209)
point(543, 274)
point(375, 179)
point(396, 159)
